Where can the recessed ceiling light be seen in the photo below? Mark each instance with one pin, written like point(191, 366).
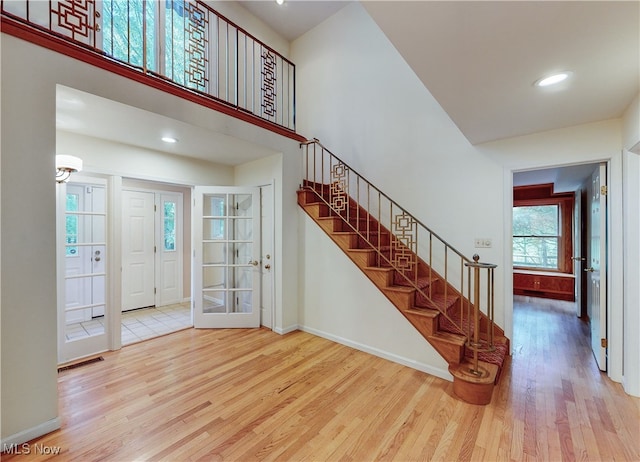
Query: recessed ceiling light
point(553, 79)
point(279, 2)
point(169, 139)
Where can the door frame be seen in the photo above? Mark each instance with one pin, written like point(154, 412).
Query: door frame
point(615, 254)
point(158, 192)
point(272, 261)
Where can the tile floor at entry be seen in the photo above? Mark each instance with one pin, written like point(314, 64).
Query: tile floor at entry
point(142, 324)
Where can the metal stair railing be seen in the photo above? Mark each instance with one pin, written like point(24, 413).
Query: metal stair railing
point(185, 42)
point(404, 243)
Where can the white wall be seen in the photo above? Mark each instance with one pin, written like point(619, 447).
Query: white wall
point(341, 304)
point(359, 97)
point(631, 180)
point(236, 13)
point(28, 104)
point(631, 126)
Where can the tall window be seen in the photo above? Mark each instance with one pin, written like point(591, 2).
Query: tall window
point(536, 236)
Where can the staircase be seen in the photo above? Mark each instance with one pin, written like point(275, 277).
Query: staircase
point(447, 297)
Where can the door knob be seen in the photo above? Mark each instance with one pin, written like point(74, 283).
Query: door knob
point(578, 258)
point(267, 266)
point(590, 269)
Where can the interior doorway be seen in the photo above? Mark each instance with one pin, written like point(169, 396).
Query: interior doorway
point(587, 230)
point(152, 248)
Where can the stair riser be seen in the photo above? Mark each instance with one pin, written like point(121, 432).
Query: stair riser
point(426, 326)
point(402, 300)
point(362, 258)
point(346, 241)
point(379, 278)
point(452, 353)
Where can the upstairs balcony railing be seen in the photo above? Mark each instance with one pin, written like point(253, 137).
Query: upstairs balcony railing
point(183, 41)
point(464, 291)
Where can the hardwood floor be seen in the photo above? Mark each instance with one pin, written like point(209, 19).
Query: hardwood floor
point(254, 395)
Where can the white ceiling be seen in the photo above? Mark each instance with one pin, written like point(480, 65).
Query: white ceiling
point(480, 60)
point(293, 18)
point(90, 115)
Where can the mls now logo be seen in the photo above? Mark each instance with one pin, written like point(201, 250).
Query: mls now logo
point(27, 448)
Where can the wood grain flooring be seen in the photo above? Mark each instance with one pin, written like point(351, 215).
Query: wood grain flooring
point(210, 395)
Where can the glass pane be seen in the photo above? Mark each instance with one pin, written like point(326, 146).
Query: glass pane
point(81, 325)
point(214, 277)
point(169, 228)
point(98, 228)
point(214, 301)
point(242, 301)
point(536, 252)
point(242, 229)
point(214, 205)
point(242, 253)
point(538, 220)
point(214, 253)
point(241, 277)
point(213, 228)
point(72, 202)
point(241, 204)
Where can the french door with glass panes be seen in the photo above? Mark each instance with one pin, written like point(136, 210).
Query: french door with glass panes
point(226, 272)
point(82, 221)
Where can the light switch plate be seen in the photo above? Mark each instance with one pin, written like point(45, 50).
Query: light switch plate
point(482, 243)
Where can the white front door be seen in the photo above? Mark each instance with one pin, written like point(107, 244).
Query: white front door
point(597, 266)
point(82, 257)
point(138, 257)
point(226, 273)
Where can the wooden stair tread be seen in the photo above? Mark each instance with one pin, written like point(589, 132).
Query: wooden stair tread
point(427, 313)
point(401, 289)
point(449, 337)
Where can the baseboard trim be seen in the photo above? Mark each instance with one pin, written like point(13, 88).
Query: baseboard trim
point(286, 330)
point(435, 371)
point(32, 433)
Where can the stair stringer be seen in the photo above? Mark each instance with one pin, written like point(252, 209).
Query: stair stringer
point(450, 346)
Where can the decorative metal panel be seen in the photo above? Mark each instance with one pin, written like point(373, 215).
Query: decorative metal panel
point(338, 190)
point(75, 16)
point(269, 65)
point(404, 245)
point(196, 46)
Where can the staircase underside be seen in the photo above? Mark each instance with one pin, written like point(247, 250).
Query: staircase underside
point(424, 313)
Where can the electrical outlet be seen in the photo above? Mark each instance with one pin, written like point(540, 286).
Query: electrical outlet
point(482, 242)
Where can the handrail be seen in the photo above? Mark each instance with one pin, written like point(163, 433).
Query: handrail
point(185, 42)
point(316, 141)
point(398, 239)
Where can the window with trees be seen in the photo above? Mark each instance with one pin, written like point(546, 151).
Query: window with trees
point(542, 229)
point(536, 236)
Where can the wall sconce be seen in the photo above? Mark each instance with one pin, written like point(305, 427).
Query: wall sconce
point(65, 166)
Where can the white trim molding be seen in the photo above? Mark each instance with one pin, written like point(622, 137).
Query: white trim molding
point(437, 372)
point(31, 433)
